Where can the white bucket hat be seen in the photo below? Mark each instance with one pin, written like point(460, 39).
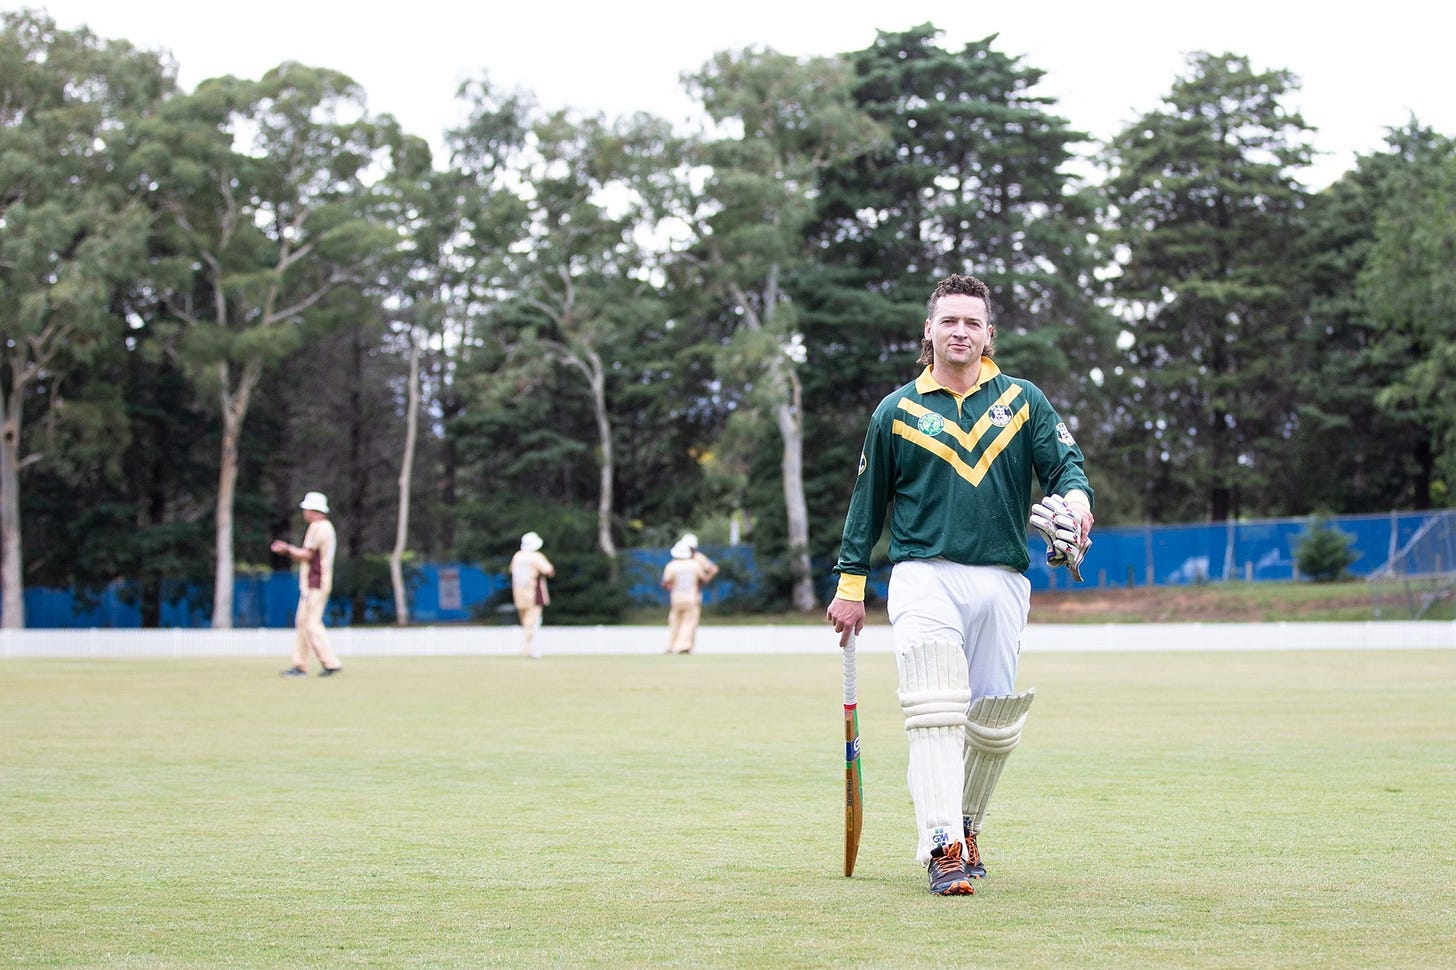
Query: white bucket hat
point(315, 502)
point(682, 551)
point(689, 540)
point(530, 542)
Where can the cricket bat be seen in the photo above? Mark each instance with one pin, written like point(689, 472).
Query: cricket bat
point(853, 770)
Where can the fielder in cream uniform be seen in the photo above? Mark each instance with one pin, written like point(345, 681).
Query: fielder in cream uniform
point(683, 577)
point(951, 457)
point(529, 571)
point(315, 560)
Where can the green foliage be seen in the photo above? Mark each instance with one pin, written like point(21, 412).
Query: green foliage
point(973, 182)
point(72, 234)
point(1409, 289)
point(365, 584)
point(782, 124)
point(1323, 552)
point(1371, 455)
point(583, 593)
point(970, 178)
point(1206, 205)
point(518, 474)
point(254, 260)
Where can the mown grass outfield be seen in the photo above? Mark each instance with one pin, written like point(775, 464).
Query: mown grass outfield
point(1289, 809)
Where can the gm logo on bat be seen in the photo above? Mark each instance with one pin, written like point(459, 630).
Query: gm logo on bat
point(851, 749)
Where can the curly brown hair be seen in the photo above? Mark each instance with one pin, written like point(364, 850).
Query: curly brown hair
point(956, 285)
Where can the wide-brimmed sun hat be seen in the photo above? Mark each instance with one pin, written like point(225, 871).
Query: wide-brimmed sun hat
point(315, 502)
point(530, 542)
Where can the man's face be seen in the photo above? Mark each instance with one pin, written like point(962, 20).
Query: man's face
point(960, 329)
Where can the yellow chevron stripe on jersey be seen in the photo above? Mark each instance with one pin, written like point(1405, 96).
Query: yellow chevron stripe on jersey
point(967, 440)
point(915, 409)
point(941, 450)
point(971, 473)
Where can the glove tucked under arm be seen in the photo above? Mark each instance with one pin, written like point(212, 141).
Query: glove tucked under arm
point(1066, 528)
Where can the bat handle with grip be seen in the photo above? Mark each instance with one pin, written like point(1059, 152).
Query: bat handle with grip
point(851, 691)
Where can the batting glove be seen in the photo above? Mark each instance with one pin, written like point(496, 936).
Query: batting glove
point(1064, 528)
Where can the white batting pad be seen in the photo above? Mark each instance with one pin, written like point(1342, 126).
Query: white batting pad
point(934, 693)
point(993, 730)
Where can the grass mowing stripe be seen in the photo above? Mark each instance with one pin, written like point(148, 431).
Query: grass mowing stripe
point(1187, 809)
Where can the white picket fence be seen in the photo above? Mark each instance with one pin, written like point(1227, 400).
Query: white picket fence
point(602, 640)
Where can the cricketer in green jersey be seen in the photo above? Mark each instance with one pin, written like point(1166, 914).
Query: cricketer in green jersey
point(950, 458)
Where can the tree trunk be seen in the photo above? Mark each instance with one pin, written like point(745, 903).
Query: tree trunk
point(789, 417)
point(234, 410)
point(608, 472)
point(12, 577)
point(589, 363)
point(406, 472)
point(227, 480)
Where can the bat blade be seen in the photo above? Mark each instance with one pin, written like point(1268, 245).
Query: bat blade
point(853, 767)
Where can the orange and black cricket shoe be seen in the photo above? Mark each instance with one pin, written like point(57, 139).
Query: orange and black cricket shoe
point(948, 876)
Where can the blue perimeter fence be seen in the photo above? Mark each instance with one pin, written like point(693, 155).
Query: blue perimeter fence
point(1393, 544)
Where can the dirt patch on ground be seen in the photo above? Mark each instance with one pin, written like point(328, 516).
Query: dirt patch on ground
point(1119, 605)
point(1180, 604)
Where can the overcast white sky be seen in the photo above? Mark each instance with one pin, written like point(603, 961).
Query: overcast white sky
point(1364, 68)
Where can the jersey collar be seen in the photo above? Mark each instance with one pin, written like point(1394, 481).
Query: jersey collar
point(926, 382)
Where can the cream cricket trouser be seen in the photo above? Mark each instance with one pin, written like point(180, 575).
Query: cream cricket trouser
point(531, 618)
point(309, 622)
point(982, 608)
point(682, 626)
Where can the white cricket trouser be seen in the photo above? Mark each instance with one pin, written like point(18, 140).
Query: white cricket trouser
point(982, 608)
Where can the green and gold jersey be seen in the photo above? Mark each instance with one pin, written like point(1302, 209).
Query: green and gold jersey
point(954, 473)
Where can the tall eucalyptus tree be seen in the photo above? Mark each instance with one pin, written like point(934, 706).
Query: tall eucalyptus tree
point(72, 235)
point(779, 123)
point(583, 275)
point(262, 193)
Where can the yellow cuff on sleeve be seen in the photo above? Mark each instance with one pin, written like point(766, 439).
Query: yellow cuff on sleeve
point(851, 587)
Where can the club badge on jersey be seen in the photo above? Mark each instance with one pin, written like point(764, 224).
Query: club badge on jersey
point(930, 423)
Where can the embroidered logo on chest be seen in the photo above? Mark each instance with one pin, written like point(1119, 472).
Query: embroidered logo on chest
point(999, 415)
point(931, 424)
